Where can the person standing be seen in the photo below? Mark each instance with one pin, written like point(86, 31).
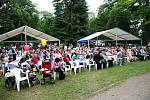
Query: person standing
point(98, 58)
point(14, 53)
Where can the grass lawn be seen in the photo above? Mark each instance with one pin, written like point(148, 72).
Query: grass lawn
point(77, 87)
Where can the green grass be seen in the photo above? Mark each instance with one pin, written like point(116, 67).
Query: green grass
point(77, 87)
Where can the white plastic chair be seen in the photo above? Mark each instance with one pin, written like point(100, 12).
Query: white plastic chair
point(74, 66)
point(18, 78)
point(119, 61)
point(89, 64)
point(67, 67)
point(78, 62)
point(115, 59)
point(25, 64)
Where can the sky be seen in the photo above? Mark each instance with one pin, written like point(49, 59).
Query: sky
point(47, 5)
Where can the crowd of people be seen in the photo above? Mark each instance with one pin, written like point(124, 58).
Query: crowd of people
point(33, 55)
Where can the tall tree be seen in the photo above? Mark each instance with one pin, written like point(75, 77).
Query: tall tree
point(59, 23)
point(77, 19)
point(6, 23)
point(119, 16)
point(71, 19)
point(46, 23)
point(130, 15)
point(145, 26)
point(103, 14)
point(92, 23)
point(16, 13)
point(140, 18)
point(102, 17)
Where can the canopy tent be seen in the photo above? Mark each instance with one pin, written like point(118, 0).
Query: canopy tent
point(28, 31)
point(114, 34)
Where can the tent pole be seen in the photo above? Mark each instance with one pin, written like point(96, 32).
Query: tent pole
point(97, 41)
point(141, 43)
point(79, 45)
point(116, 40)
point(21, 36)
point(88, 44)
point(25, 34)
point(59, 43)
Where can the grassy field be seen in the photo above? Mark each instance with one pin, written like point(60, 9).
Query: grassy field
point(77, 87)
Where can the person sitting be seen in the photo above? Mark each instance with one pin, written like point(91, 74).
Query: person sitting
point(35, 61)
point(58, 67)
point(5, 61)
point(119, 57)
point(25, 65)
point(28, 56)
point(66, 59)
point(26, 47)
point(143, 53)
point(75, 57)
point(104, 59)
point(32, 76)
point(140, 54)
point(97, 58)
point(108, 59)
point(14, 53)
point(130, 57)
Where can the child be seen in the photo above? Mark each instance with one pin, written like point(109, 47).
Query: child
point(32, 77)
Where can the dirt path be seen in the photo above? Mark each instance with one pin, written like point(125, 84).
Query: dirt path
point(137, 88)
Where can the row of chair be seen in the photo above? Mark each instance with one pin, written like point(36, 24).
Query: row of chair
point(77, 64)
point(46, 70)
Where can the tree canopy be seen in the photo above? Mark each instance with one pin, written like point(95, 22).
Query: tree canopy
point(16, 13)
point(130, 15)
point(71, 20)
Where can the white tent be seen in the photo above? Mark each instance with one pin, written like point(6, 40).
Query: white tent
point(28, 31)
point(114, 34)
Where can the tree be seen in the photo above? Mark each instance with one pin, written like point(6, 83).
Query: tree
point(59, 22)
point(119, 16)
point(140, 17)
point(16, 13)
point(46, 23)
point(130, 15)
point(146, 31)
point(102, 17)
point(77, 19)
point(71, 19)
point(5, 21)
point(92, 23)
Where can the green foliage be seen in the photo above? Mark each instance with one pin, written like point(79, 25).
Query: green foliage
point(146, 31)
point(46, 23)
point(17, 13)
point(92, 23)
point(59, 22)
point(130, 15)
point(71, 20)
point(119, 16)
